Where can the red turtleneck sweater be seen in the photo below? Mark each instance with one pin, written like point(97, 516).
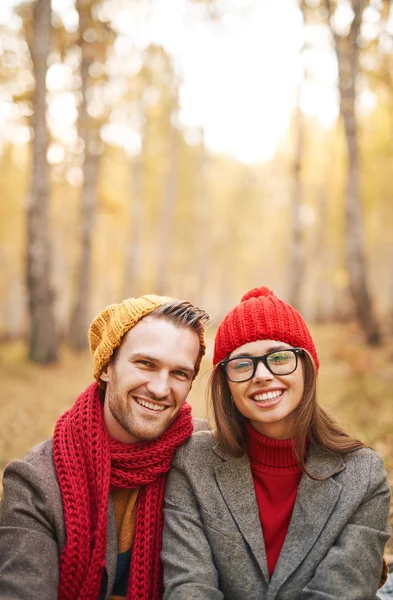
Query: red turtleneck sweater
point(276, 474)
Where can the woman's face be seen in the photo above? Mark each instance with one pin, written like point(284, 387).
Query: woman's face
point(268, 401)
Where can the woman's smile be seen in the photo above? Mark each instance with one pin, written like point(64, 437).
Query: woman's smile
point(267, 399)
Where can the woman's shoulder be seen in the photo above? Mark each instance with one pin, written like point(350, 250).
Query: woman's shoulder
point(362, 457)
point(363, 469)
point(201, 441)
point(198, 449)
point(352, 459)
point(365, 460)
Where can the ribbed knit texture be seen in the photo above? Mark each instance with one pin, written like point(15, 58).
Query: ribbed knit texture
point(276, 474)
point(262, 316)
point(88, 464)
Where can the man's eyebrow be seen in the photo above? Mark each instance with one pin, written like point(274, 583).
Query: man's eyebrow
point(189, 370)
point(143, 355)
point(154, 359)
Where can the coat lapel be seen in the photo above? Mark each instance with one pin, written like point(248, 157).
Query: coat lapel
point(235, 482)
point(111, 546)
point(314, 504)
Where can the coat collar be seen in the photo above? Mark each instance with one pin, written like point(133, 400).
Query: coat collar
point(234, 479)
point(111, 546)
point(314, 504)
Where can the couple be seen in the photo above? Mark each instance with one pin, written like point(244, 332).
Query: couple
point(277, 503)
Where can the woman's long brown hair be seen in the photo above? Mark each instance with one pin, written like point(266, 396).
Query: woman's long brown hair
point(313, 425)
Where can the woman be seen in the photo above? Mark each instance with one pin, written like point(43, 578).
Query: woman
point(279, 503)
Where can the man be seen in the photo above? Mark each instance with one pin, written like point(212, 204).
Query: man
point(81, 516)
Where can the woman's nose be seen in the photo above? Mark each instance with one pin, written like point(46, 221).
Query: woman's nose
point(262, 373)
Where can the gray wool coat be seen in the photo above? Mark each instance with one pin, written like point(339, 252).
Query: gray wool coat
point(213, 544)
point(32, 533)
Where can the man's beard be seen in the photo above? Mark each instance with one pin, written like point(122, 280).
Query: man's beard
point(121, 410)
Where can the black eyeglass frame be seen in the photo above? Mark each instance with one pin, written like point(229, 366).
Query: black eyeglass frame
point(256, 359)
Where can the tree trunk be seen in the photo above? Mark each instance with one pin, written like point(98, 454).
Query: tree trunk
point(42, 337)
point(165, 225)
point(348, 58)
point(202, 232)
point(81, 316)
point(134, 248)
point(296, 253)
point(324, 309)
point(296, 250)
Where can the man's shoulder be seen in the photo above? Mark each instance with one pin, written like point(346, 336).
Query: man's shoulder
point(40, 456)
point(37, 469)
point(42, 451)
point(32, 530)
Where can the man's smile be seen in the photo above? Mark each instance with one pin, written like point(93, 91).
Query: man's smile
point(149, 405)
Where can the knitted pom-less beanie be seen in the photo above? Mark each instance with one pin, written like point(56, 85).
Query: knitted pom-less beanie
point(262, 316)
point(109, 326)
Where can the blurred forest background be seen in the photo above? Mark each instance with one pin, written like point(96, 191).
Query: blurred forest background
point(197, 149)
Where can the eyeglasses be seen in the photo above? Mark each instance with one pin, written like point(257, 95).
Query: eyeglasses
point(279, 362)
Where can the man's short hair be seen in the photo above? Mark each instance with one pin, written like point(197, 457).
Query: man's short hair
point(182, 313)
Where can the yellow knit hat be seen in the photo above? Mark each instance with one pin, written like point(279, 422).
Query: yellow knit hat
point(107, 329)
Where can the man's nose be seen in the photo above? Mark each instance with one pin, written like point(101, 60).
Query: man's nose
point(262, 373)
point(159, 384)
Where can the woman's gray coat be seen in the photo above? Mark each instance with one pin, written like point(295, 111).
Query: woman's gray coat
point(213, 543)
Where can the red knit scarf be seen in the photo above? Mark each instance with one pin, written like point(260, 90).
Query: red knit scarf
point(88, 463)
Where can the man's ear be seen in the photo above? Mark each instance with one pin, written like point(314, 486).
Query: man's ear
point(105, 373)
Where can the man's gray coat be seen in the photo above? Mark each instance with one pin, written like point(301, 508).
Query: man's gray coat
point(213, 543)
point(32, 533)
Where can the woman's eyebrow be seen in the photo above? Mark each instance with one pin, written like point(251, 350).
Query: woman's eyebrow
point(278, 348)
point(271, 349)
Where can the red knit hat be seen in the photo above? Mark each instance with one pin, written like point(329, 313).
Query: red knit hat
point(262, 316)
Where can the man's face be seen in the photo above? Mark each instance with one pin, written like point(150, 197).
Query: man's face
point(149, 379)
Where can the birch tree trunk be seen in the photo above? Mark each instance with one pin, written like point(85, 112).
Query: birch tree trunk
point(42, 337)
point(296, 250)
point(296, 253)
point(81, 316)
point(202, 233)
point(323, 255)
point(347, 51)
point(165, 225)
point(134, 266)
